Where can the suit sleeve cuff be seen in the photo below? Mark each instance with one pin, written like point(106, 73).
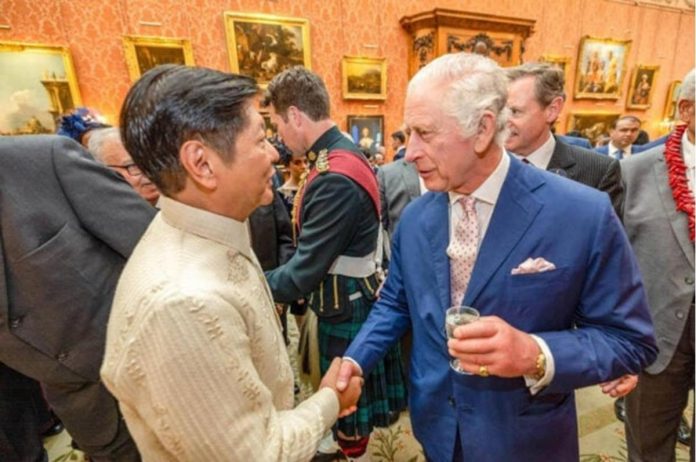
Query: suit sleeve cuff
point(355, 363)
point(535, 386)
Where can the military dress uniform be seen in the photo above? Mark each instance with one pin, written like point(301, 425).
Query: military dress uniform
point(334, 270)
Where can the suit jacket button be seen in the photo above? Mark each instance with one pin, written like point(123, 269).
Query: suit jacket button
point(450, 400)
point(62, 356)
point(689, 280)
point(15, 322)
point(679, 315)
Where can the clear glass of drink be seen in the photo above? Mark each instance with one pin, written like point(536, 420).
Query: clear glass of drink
point(458, 316)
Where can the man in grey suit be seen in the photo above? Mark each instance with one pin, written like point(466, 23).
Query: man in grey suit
point(659, 221)
point(398, 185)
point(67, 226)
point(535, 100)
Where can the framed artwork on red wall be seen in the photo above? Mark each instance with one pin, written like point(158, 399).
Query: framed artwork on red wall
point(144, 53)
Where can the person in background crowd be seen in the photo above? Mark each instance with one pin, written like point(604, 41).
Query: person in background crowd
point(67, 224)
point(398, 144)
point(106, 146)
point(334, 267)
point(659, 221)
point(561, 300)
point(622, 135)
point(194, 352)
point(79, 124)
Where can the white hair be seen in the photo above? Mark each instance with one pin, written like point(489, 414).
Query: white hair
point(686, 91)
point(474, 84)
point(98, 137)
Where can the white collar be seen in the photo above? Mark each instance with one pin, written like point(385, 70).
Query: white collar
point(688, 151)
point(542, 156)
point(489, 190)
point(612, 149)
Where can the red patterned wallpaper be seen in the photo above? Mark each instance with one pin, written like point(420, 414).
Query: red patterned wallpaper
point(93, 30)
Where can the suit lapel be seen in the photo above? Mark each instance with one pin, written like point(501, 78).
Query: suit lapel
point(677, 220)
point(435, 214)
point(514, 212)
point(562, 160)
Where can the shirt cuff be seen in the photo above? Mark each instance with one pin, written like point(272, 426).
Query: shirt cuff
point(535, 386)
point(351, 360)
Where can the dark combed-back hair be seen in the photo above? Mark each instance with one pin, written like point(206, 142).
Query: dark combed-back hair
point(172, 104)
point(625, 117)
point(548, 80)
point(399, 135)
point(301, 88)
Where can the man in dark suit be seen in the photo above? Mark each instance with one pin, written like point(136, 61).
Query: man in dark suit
point(398, 144)
point(535, 100)
point(398, 185)
point(556, 314)
point(67, 226)
point(659, 220)
point(622, 135)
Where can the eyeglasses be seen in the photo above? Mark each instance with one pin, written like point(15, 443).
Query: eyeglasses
point(132, 169)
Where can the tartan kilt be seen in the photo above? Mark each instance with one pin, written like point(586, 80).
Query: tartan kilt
point(384, 391)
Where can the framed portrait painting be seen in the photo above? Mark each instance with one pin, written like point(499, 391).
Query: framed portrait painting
point(592, 125)
point(670, 111)
point(601, 68)
point(144, 53)
point(37, 85)
point(641, 89)
point(560, 62)
point(367, 131)
point(262, 46)
point(364, 78)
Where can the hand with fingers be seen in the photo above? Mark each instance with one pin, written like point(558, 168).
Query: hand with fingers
point(347, 389)
point(619, 387)
point(491, 346)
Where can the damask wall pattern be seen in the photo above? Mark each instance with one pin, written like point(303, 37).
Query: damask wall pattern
point(93, 30)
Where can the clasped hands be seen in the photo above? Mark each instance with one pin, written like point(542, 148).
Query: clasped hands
point(348, 392)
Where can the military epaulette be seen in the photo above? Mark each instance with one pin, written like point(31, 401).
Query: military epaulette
point(323, 161)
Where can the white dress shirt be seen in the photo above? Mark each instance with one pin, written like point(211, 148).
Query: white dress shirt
point(542, 156)
point(613, 149)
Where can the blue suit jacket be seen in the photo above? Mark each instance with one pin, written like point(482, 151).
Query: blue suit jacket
point(636, 148)
point(596, 288)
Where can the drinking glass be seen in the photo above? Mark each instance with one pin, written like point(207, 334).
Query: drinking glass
point(458, 316)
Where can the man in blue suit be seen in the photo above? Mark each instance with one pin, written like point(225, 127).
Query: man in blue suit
point(561, 300)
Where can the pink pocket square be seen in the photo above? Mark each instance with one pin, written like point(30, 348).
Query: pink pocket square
point(533, 265)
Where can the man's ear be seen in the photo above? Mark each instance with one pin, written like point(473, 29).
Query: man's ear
point(196, 159)
point(485, 132)
point(553, 110)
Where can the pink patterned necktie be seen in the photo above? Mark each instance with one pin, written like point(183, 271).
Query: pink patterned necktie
point(463, 249)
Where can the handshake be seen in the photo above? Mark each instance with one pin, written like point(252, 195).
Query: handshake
point(345, 378)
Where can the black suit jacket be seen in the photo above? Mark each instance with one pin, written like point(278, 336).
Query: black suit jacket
point(589, 168)
point(271, 234)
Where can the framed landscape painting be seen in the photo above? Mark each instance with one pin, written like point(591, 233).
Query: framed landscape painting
point(364, 78)
point(144, 53)
point(592, 125)
point(601, 68)
point(261, 45)
point(642, 85)
point(37, 85)
point(367, 131)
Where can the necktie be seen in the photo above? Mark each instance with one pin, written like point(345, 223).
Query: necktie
point(526, 161)
point(463, 250)
point(619, 154)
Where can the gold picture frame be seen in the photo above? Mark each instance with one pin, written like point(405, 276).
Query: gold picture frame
point(367, 131)
point(592, 125)
point(670, 112)
point(364, 78)
point(262, 45)
point(145, 52)
point(601, 68)
point(558, 61)
point(641, 89)
point(40, 83)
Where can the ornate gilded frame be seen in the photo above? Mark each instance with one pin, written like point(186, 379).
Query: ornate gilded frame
point(39, 76)
point(670, 111)
point(355, 124)
point(364, 78)
point(262, 45)
point(637, 97)
point(597, 57)
point(145, 52)
point(588, 123)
